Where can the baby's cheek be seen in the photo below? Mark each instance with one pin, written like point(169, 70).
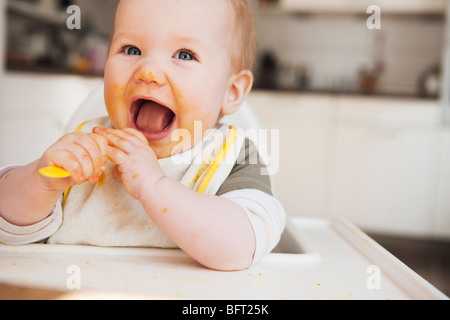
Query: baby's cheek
point(115, 104)
point(113, 94)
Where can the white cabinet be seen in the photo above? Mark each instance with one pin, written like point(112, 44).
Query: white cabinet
point(33, 111)
point(360, 6)
point(442, 221)
point(383, 163)
point(387, 165)
point(304, 124)
point(24, 136)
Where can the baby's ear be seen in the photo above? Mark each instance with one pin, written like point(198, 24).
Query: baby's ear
point(238, 88)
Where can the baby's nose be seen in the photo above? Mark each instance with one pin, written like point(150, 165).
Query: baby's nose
point(149, 75)
point(146, 76)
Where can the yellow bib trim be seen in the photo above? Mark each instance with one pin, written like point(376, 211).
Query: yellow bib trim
point(218, 161)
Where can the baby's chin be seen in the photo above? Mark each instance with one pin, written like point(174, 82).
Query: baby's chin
point(170, 148)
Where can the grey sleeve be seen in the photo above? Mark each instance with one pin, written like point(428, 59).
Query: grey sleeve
point(247, 172)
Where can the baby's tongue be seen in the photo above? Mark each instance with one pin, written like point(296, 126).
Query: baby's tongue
point(153, 117)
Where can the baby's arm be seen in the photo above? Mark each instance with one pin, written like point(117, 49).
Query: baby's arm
point(214, 231)
point(27, 197)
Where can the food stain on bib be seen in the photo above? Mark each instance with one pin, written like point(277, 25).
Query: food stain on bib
point(101, 180)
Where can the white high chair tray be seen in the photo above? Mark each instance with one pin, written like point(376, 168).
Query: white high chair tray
point(321, 259)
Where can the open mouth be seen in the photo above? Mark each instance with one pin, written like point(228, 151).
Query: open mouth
point(154, 120)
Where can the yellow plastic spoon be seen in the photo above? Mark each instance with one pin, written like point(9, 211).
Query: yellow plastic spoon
point(54, 172)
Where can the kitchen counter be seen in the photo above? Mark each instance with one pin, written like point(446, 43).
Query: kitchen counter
point(317, 92)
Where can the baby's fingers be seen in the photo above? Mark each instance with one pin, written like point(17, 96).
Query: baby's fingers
point(116, 155)
point(99, 155)
point(87, 148)
point(118, 148)
point(137, 134)
point(70, 160)
point(122, 139)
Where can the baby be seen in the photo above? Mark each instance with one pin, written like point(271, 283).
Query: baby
point(174, 66)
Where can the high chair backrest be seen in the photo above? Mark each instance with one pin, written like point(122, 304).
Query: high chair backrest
point(94, 107)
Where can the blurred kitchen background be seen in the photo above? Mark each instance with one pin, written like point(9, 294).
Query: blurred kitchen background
point(363, 113)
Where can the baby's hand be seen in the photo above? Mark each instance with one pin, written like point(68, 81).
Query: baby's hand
point(83, 155)
point(137, 164)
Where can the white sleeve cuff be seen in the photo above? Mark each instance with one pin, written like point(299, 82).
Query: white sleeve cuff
point(14, 235)
point(266, 215)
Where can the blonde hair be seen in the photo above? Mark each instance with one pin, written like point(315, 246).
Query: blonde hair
point(243, 44)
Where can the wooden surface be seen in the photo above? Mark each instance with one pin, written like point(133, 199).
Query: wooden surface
point(9, 292)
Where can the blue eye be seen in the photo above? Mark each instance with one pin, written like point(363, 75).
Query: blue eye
point(131, 51)
point(185, 54)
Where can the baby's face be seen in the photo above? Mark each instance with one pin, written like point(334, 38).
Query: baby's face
point(169, 65)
